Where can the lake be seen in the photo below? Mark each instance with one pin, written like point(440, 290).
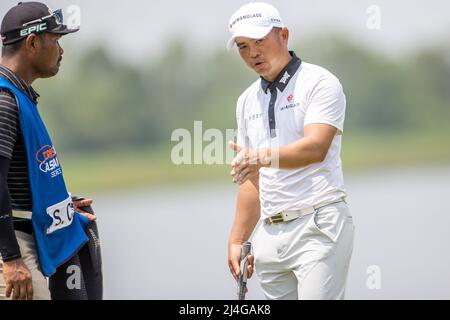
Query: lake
point(171, 243)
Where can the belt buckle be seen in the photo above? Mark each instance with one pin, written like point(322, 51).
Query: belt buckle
point(278, 218)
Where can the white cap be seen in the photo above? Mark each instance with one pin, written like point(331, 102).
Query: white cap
point(253, 20)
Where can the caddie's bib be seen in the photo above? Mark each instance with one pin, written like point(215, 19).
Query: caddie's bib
point(58, 229)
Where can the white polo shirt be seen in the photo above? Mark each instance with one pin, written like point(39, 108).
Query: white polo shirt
point(305, 94)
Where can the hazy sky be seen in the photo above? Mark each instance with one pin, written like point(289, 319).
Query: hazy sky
point(144, 27)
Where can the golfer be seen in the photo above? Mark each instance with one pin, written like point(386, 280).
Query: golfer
point(288, 167)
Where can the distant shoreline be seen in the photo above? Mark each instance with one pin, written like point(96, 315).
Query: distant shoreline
point(137, 169)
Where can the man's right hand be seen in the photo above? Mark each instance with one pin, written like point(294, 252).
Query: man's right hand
point(234, 260)
point(18, 280)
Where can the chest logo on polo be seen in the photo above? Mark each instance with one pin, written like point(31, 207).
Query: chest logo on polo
point(253, 117)
point(291, 105)
point(48, 161)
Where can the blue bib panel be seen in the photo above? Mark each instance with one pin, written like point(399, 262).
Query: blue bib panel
point(58, 229)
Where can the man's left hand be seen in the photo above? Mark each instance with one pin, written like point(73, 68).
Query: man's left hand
point(77, 204)
point(246, 165)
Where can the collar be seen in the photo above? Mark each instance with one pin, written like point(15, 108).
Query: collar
point(283, 78)
point(18, 82)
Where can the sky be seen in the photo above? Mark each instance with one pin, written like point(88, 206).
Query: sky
point(145, 27)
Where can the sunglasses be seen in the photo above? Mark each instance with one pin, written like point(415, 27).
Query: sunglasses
point(57, 15)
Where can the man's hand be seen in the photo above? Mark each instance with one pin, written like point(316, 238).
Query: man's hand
point(234, 261)
point(18, 280)
point(77, 204)
point(246, 165)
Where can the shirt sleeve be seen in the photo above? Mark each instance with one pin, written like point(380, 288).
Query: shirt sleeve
point(327, 104)
point(9, 247)
point(9, 121)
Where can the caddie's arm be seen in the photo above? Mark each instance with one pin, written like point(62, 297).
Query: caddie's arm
point(16, 276)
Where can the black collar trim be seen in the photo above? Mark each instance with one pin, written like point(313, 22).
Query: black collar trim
point(283, 78)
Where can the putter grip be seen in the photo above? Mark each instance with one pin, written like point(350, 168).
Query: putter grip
point(245, 250)
point(242, 282)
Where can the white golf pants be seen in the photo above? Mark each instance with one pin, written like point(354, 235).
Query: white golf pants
point(307, 258)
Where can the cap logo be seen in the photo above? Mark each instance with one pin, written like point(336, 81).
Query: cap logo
point(247, 16)
point(36, 28)
point(275, 20)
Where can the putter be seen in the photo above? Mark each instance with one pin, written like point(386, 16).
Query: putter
point(242, 281)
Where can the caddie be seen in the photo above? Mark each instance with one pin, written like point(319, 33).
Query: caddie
point(40, 227)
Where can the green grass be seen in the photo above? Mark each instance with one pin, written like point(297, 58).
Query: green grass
point(130, 169)
point(133, 169)
point(388, 150)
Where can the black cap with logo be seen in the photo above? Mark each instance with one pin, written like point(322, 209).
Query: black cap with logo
point(31, 17)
